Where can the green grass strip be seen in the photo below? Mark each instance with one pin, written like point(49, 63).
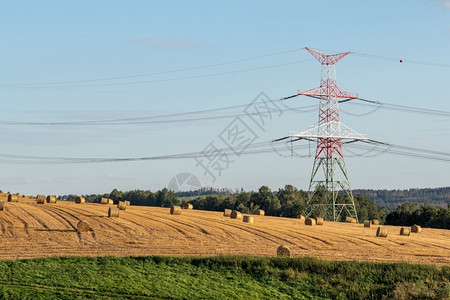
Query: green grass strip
point(221, 277)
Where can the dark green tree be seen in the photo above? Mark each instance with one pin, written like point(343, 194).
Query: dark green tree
point(166, 198)
point(116, 195)
point(266, 200)
point(292, 201)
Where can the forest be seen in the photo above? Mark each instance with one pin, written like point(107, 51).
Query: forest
point(290, 202)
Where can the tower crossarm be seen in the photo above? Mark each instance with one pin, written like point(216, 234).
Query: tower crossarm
point(332, 91)
point(327, 59)
point(331, 130)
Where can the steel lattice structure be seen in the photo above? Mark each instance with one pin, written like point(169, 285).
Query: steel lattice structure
point(329, 135)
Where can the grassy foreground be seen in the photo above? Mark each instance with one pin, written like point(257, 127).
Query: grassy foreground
point(222, 277)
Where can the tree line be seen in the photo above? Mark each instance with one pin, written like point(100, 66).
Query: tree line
point(425, 215)
point(285, 202)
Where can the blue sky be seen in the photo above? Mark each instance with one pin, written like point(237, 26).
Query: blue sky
point(57, 55)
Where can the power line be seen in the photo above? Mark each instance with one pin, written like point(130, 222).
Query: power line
point(63, 84)
point(256, 148)
point(396, 107)
point(402, 60)
point(186, 117)
point(270, 106)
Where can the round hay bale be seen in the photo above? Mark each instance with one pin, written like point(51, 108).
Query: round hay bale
point(227, 212)
point(51, 199)
point(416, 228)
point(248, 219)
point(13, 198)
point(301, 217)
point(104, 201)
point(260, 212)
point(80, 200)
point(235, 215)
point(122, 205)
point(405, 231)
point(310, 222)
point(375, 222)
point(367, 223)
point(350, 220)
point(283, 251)
point(2, 205)
point(110, 201)
point(175, 210)
point(186, 205)
point(113, 212)
point(127, 203)
point(83, 226)
point(40, 199)
point(319, 221)
point(382, 232)
point(2, 192)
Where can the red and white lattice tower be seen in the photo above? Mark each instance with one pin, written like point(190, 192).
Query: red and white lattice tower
point(330, 195)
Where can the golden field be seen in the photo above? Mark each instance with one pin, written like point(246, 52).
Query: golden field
point(31, 230)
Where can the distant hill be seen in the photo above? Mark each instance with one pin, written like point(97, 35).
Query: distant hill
point(390, 199)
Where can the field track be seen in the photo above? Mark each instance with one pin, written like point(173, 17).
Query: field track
point(30, 230)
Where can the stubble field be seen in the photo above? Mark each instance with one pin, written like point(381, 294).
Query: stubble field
point(30, 230)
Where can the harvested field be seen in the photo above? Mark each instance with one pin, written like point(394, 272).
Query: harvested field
point(29, 230)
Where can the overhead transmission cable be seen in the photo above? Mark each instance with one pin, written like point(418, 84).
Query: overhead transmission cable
point(83, 83)
point(401, 60)
point(190, 116)
point(73, 83)
point(255, 148)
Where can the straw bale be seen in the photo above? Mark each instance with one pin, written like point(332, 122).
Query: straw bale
point(301, 217)
point(405, 231)
point(235, 215)
point(40, 199)
point(83, 226)
point(13, 198)
point(80, 200)
point(375, 222)
point(416, 228)
point(319, 221)
point(283, 251)
point(51, 199)
point(113, 212)
point(122, 205)
point(175, 210)
point(382, 232)
point(104, 201)
point(2, 205)
point(260, 212)
point(248, 219)
point(350, 220)
point(186, 205)
point(310, 222)
point(127, 203)
point(367, 223)
point(227, 212)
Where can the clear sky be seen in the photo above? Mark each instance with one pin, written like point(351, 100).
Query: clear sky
point(94, 60)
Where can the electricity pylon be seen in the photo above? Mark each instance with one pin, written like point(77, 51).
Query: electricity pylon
point(329, 174)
